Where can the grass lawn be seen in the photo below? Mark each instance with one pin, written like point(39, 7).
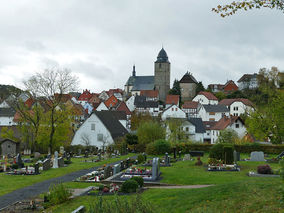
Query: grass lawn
point(233, 191)
point(10, 183)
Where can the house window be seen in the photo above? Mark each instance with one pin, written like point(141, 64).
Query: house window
point(172, 109)
point(211, 113)
point(237, 125)
point(208, 133)
point(211, 119)
point(176, 109)
point(93, 126)
point(100, 137)
point(213, 132)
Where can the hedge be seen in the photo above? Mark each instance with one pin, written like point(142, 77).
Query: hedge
point(246, 148)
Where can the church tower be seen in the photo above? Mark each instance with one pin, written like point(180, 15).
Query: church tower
point(162, 74)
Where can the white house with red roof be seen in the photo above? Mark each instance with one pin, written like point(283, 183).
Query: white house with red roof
point(206, 98)
point(173, 111)
point(172, 99)
point(234, 122)
point(237, 106)
point(213, 112)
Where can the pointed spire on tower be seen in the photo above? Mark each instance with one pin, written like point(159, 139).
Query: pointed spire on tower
point(133, 71)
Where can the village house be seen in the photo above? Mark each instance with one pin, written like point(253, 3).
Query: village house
point(191, 108)
point(248, 81)
point(172, 111)
point(101, 129)
point(206, 98)
point(237, 106)
point(234, 122)
point(213, 112)
point(172, 99)
point(144, 106)
point(229, 87)
point(194, 129)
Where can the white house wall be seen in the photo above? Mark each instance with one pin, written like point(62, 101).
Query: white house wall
point(173, 112)
point(130, 103)
point(237, 108)
point(7, 121)
point(204, 100)
point(101, 107)
point(86, 129)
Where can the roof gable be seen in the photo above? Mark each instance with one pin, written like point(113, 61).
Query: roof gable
point(208, 95)
point(172, 99)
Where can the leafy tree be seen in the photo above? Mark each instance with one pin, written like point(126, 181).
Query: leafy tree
point(52, 84)
point(227, 136)
point(233, 7)
point(220, 95)
point(199, 87)
point(8, 134)
point(131, 139)
point(176, 88)
point(138, 118)
point(176, 133)
point(149, 132)
point(268, 121)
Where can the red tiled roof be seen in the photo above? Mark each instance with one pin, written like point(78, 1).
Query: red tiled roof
point(85, 96)
point(190, 105)
point(150, 93)
point(208, 95)
point(111, 101)
point(123, 107)
point(224, 122)
point(63, 98)
point(209, 124)
point(172, 99)
point(228, 102)
point(112, 91)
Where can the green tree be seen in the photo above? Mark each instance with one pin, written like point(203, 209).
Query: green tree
point(199, 87)
point(8, 134)
point(137, 118)
point(220, 95)
point(52, 84)
point(150, 131)
point(233, 7)
point(268, 121)
point(227, 136)
point(176, 133)
point(176, 88)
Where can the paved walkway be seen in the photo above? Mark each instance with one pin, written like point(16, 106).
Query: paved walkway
point(179, 187)
point(41, 187)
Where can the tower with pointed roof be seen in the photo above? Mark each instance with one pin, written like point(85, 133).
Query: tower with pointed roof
point(162, 74)
point(188, 86)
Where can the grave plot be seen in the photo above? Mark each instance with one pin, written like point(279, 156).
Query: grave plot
point(165, 162)
point(153, 175)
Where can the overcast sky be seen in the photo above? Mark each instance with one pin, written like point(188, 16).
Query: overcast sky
point(100, 40)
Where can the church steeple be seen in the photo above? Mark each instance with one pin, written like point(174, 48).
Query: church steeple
point(162, 56)
point(133, 71)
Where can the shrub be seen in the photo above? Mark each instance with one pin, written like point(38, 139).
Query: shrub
point(58, 193)
point(150, 149)
point(162, 146)
point(129, 186)
point(139, 180)
point(228, 154)
point(216, 151)
point(14, 166)
point(264, 169)
point(140, 158)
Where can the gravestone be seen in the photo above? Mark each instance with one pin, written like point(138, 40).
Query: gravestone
point(116, 169)
point(127, 163)
point(46, 164)
point(186, 157)
point(19, 161)
point(49, 156)
point(122, 167)
point(37, 155)
point(55, 160)
point(166, 159)
point(27, 151)
point(79, 152)
point(86, 154)
point(256, 156)
point(237, 156)
point(107, 172)
point(68, 157)
point(155, 168)
point(61, 150)
point(100, 156)
point(61, 162)
point(36, 168)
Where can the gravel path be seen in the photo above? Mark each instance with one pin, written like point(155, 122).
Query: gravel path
point(41, 187)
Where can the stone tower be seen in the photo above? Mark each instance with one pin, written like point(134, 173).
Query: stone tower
point(188, 86)
point(162, 74)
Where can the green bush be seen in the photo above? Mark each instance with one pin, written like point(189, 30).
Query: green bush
point(216, 151)
point(228, 154)
point(162, 146)
point(139, 180)
point(58, 193)
point(14, 166)
point(140, 158)
point(129, 186)
point(150, 149)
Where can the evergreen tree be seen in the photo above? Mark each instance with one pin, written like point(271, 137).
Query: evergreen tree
point(199, 87)
point(176, 88)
